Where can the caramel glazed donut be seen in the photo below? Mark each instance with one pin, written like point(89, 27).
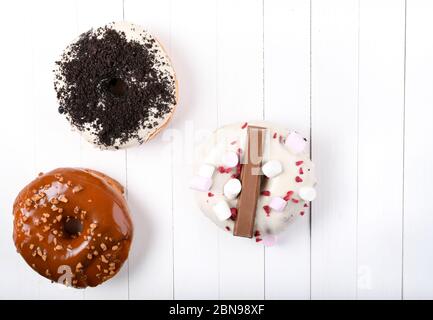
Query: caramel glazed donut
point(72, 226)
point(116, 86)
point(285, 190)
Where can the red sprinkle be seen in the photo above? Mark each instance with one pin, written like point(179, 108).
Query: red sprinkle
point(267, 210)
point(227, 228)
point(275, 135)
point(298, 179)
point(281, 139)
point(289, 194)
point(301, 213)
point(305, 205)
point(210, 194)
point(244, 125)
point(295, 200)
point(221, 169)
point(265, 193)
point(257, 233)
point(298, 163)
point(234, 212)
point(301, 171)
point(258, 239)
point(228, 170)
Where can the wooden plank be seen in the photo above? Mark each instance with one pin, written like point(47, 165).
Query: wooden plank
point(334, 147)
point(92, 14)
point(380, 178)
point(418, 218)
point(193, 39)
point(287, 103)
point(17, 127)
point(55, 144)
point(150, 184)
point(240, 98)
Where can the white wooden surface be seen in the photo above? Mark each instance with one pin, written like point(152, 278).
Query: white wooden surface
point(356, 76)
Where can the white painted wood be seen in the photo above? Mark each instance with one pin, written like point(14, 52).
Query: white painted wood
point(334, 147)
point(380, 151)
point(240, 98)
point(18, 281)
point(149, 184)
point(287, 103)
point(193, 49)
point(55, 145)
point(418, 218)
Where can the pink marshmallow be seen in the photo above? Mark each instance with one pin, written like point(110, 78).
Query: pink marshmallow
point(278, 204)
point(295, 142)
point(269, 240)
point(200, 183)
point(230, 159)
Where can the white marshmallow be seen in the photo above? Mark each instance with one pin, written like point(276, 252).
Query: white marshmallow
point(272, 168)
point(307, 193)
point(200, 183)
point(232, 188)
point(230, 159)
point(295, 142)
point(206, 171)
point(222, 210)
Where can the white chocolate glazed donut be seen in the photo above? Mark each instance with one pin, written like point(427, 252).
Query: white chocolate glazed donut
point(279, 201)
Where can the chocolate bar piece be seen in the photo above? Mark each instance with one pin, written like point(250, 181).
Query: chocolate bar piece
point(250, 178)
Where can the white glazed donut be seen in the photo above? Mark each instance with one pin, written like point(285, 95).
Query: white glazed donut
point(285, 161)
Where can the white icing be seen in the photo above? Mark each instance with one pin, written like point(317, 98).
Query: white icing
point(229, 139)
point(132, 33)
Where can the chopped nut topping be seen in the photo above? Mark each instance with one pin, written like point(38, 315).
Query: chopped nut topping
point(77, 189)
point(36, 197)
point(46, 215)
point(55, 232)
point(112, 272)
point(89, 256)
point(103, 259)
point(79, 266)
point(40, 237)
point(60, 210)
point(93, 226)
point(31, 246)
point(54, 207)
point(25, 218)
point(58, 247)
point(103, 246)
point(95, 253)
point(114, 248)
point(46, 228)
point(63, 199)
point(54, 201)
point(98, 266)
point(76, 210)
point(59, 217)
point(28, 202)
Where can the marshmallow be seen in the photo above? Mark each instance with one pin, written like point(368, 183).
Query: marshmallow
point(222, 210)
point(232, 188)
point(272, 168)
point(278, 204)
point(307, 193)
point(206, 171)
point(230, 159)
point(295, 142)
point(200, 183)
point(269, 240)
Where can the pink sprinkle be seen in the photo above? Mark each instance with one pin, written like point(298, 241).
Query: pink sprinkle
point(301, 171)
point(302, 213)
point(210, 194)
point(289, 194)
point(265, 193)
point(258, 239)
point(298, 179)
point(275, 135)
point(298, 163)
point(221, 169)
point(244, 125)
point(305, 205)
point(267, 210)
point(228, 170)
point(234, 212)
point(295, 200)
point(227, 228)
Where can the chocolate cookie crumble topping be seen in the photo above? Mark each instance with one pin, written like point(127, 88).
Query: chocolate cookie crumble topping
point(113, 87)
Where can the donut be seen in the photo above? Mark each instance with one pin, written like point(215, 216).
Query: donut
point(254, 199)
point(73, 226)
point(116, 85)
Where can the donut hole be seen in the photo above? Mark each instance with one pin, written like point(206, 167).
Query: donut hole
point(72, 227)
point(117, 87)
